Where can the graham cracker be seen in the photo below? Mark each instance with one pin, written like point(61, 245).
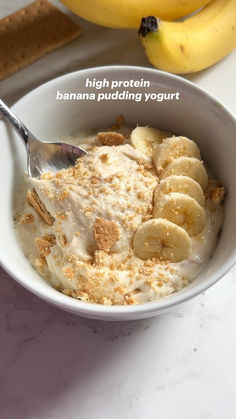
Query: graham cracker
point(106, 233)
point(35, 202)
point(32, 32)
point(110, 138)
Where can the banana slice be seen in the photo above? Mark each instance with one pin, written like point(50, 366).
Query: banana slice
point(145, 139)
point(161, 239)
point(187, 166)
point(182, 184)
point(171, 149)
point(182, 210)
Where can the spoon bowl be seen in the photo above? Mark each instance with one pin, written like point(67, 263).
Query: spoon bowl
point(42, 156)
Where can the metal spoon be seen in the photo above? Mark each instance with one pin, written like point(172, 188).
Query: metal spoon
point(42, 156)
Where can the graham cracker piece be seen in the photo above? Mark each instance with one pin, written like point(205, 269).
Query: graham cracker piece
point(25, 218)
point(129, 299)
point(35, 202)
point(106, 233)
point(110, 138)
point(44, 243)
point(32, 32)
point(48, 240)
point(104, 158)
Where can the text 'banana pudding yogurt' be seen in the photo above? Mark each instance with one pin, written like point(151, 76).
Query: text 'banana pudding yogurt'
point(134, 220)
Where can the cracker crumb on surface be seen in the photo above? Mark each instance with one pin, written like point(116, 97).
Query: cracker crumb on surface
point(63, 196)
point(26, 218)
point(50, 238)
point(61, 216)
point(119, 290)
point(129, 297)
point(104, 158)
point(106, 233)
point(44, 243)
point(47, 176)
point(106, 301)
point(63, 240)
point(110, 138)
point(69, 272)
point(40, 263)
point(217, 195)
point(79, 295)
point(94, 180)
point(83, 296)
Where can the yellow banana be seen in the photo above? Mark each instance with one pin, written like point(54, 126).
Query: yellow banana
point(128, 13)
point(194, 44)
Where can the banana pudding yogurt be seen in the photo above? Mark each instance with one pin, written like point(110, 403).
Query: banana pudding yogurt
point(133, 221)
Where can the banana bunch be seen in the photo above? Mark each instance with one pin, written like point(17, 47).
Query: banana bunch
point(177, 47)
point(193, 44)
point(179, 200)
point(128, 13)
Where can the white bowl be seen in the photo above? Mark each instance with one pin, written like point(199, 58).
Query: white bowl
point(197, 115)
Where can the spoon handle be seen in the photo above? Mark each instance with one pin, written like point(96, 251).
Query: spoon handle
point(15, 122)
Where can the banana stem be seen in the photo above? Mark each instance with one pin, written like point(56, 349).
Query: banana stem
point(148, 24)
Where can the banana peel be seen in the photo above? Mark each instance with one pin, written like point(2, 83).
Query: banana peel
point(194, 44)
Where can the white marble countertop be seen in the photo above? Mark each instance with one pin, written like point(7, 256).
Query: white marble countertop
point(54, 365)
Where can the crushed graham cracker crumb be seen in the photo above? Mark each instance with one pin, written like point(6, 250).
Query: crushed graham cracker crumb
point(67, 291)
point(47, 176)
point(119, 290)
point(44, 243)
point(83, 296)
point(110, 138)
point(129, 297)
point(106, 301)
point(106, 233)
point(61, 216)
point(40, 263)
point(26, 218)
point(63, 240)
point(146, 271)
point(50, 238)
point(94, 180)
point(104, 158)
point(62, 196)
point(217, 195)
point(69, 272)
